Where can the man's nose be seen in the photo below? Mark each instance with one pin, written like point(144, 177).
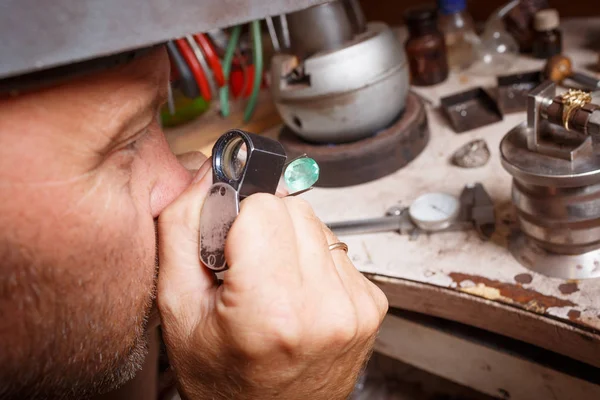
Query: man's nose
point(173, 176)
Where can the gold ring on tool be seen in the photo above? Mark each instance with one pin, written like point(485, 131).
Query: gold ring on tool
point(338, 245)
point(573, 100)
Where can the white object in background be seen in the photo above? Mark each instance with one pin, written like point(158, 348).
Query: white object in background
point(434, 211)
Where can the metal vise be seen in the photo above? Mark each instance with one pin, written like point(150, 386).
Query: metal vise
point(554, 159)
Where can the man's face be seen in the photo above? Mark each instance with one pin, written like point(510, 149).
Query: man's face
point(84, 171)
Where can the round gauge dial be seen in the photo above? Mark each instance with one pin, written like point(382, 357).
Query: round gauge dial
point(434, 211)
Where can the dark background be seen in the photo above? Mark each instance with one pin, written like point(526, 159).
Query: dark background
point(390, 11)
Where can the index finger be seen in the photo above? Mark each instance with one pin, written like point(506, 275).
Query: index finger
point(261, 244)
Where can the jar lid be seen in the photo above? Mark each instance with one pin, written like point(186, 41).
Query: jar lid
point(546, 20)
point(420, 15)
point(451, 6)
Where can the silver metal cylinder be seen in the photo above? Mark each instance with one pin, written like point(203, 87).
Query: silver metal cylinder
point(561, 220)
point(558, 209)
point(321, 28)
point(556, 185)
point(356, 15)
point(372, 225)
point(347, 94)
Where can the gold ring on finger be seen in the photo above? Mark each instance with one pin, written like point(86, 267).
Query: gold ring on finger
point(338, 245)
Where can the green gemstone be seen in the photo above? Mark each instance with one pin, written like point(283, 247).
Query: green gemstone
point(301, 174)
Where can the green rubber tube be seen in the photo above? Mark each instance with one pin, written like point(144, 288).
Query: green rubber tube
point(258, 69)
point(227, 61)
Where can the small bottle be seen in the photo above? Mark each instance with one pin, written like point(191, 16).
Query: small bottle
point(547, 41)
point(425, 47)
point(459, 32)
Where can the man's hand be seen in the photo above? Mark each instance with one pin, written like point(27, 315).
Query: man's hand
point(291, 320)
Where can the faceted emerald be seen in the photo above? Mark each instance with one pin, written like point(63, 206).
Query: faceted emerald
point(301, 174)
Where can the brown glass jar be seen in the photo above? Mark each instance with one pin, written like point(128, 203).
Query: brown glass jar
point(519, 22)
point(547, 41)
point(425, 47)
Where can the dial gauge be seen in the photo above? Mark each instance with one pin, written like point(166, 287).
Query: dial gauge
point(434, 211)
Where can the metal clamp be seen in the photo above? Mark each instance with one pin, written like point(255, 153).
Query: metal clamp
point(563, 127)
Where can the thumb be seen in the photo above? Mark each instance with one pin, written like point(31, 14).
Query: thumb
point(183, 282)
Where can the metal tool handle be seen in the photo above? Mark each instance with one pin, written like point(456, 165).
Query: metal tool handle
point(373, 225)
point(589, 82)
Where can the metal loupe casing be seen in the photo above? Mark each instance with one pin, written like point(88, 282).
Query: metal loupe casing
point(249, 163)
point(243, 164)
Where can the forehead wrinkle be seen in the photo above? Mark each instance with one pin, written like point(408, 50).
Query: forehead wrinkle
point(87, 195)
point(46, 183)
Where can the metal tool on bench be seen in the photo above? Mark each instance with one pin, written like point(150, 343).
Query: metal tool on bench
point(343, 81)
point(559, 68)
point(554, 159)
point(430, 213)
point(356, 72)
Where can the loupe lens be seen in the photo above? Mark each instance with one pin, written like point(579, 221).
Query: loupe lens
point(234, 158)
point(247, 162)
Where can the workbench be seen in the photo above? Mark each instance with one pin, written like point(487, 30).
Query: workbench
point(457, 276)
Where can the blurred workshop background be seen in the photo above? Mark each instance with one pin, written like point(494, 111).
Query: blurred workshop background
point(391, 11)
point(406, 107)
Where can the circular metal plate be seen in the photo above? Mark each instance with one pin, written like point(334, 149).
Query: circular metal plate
point(539, 169)
point(367, 159)
point(533, 257)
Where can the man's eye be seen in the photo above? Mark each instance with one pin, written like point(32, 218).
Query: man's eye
point(132, 143)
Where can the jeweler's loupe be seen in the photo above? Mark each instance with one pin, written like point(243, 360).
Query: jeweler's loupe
point(247, 162)
point(243, 164)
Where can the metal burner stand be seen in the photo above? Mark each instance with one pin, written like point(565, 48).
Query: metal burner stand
point(367, 159)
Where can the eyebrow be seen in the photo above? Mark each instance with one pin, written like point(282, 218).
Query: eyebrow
point(140, 117)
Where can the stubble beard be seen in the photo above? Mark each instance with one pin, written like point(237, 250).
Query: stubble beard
point(37, 378)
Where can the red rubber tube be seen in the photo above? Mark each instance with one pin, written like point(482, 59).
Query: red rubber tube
point(211, 57)
point(246, 88)
point(188, 54)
